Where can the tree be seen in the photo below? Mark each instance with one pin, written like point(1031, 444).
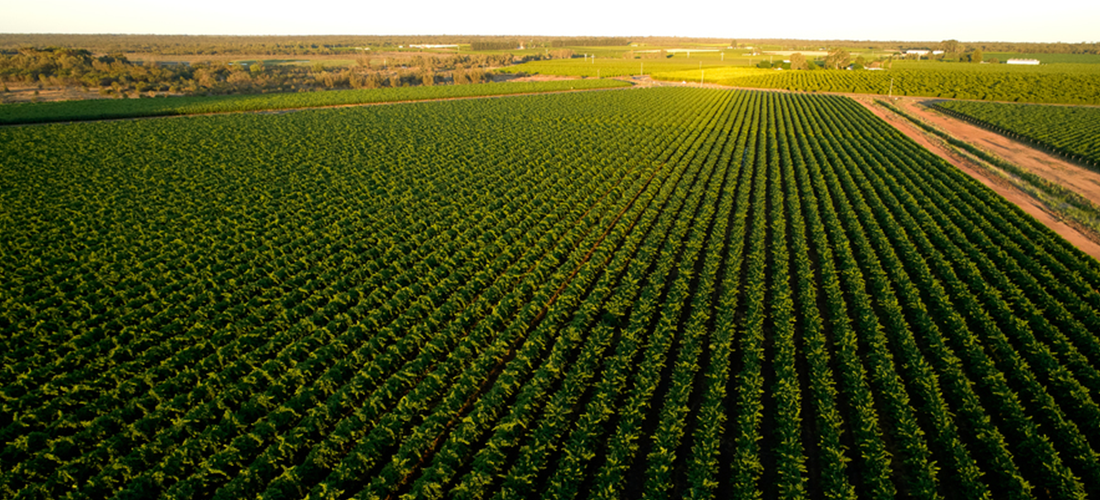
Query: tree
point(837, 58)
point(951, 46)
point(798, 61)
point(976, 56)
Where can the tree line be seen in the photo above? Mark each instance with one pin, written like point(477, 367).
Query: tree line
point(337, 44)
point(1021, 47)
point(590, 42)
point(116, 75)
point(278, 45)
point(494, 45)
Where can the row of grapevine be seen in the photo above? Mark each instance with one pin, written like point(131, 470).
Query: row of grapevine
point(577, 208)
point(1014, 372)
point(1060, 83)
point(99, 109)
point(568, 327)
point(661, 293)
point(1070, 131)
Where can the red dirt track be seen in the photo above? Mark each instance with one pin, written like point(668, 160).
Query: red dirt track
point(1085, 182)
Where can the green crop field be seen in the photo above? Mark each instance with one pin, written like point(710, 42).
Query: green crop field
point(168, 106)
point(1060, 83)
point(1047, 58)
point(660, 293)
point(622, 67)
point(1070, 131)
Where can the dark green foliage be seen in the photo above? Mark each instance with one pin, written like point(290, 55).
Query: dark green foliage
point(660, 293)
point(134, 108)
point(494, 45)
point(1055, 83)
point(1071, 131)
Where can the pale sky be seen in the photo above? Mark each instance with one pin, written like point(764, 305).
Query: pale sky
point(984, 20)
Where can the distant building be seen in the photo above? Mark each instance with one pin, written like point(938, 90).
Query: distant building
point(1032, 62)
point(917, 52)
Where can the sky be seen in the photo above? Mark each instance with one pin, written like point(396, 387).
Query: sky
point(982, 20)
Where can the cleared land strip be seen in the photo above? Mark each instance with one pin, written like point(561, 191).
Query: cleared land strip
point(1034, 207)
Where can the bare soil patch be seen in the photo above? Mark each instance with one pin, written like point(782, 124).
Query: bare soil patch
point(1001, 186)
point(31, 93)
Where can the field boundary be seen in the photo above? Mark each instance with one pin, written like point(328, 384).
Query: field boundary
point(1077, 159)
point(983, 172)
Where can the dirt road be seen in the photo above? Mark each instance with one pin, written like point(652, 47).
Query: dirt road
point(1084, 181)
point(1004, 188)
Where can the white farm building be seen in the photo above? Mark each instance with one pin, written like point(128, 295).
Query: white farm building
point(1033, 62)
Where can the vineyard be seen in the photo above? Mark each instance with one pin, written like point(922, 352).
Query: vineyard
point(603, 68)
point(1073, 132)
point(660, 293)
point(101, 109)
point(1056, 83)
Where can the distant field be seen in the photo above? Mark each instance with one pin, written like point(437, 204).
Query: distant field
point(621, 67)
point(807, 53)
point(1070, 131)
point(328, 63)
point(1061, 83)
point(1047, 58)
point(999, 68)
point(602, 52)
point(133, 108)
point(344, 59)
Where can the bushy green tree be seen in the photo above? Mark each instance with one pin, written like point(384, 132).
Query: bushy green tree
point(798, 61)
point(951, 46)
point(837, 59)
